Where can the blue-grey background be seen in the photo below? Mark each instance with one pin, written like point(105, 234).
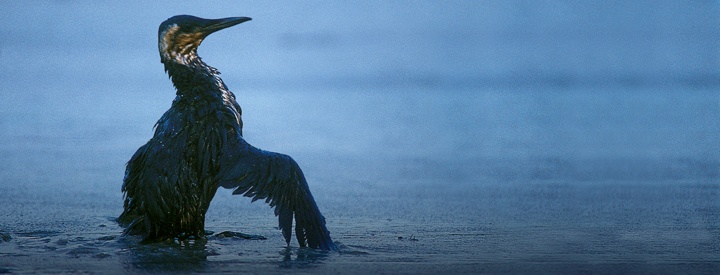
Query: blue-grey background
point(553, 134)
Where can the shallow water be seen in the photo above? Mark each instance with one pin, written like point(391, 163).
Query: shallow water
point(477, 136)
point(428, 181)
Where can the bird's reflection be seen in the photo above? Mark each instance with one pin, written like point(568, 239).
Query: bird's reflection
point(302, 257)
point(175, 255)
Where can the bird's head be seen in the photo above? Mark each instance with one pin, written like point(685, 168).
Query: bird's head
point(180, 36)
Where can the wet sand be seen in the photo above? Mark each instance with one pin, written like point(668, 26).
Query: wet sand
point(541, 227)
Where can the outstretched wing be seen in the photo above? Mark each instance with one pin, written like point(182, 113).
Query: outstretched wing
point(278, 180)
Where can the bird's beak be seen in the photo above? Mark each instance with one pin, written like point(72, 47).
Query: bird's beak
point(219, 24)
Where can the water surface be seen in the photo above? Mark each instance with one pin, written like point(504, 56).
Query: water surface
point(499, 137)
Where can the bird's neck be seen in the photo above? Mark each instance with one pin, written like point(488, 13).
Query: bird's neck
point(197, 83)
point(194, 78)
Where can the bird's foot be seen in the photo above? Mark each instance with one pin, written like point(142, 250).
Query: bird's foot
point(231, 234)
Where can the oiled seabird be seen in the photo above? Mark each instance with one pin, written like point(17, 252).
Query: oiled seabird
point(198, 147)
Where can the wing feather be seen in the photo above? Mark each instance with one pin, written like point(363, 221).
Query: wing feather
point(277, 179)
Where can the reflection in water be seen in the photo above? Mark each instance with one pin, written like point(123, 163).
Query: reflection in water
point(304, 257)
point(208, 255)
point(187, 255)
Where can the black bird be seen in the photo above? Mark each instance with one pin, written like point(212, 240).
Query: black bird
point(198, 147)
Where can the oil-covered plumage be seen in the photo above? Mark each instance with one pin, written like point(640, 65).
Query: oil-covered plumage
point(198, 147)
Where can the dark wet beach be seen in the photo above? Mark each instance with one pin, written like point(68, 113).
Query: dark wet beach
point(451, 169)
